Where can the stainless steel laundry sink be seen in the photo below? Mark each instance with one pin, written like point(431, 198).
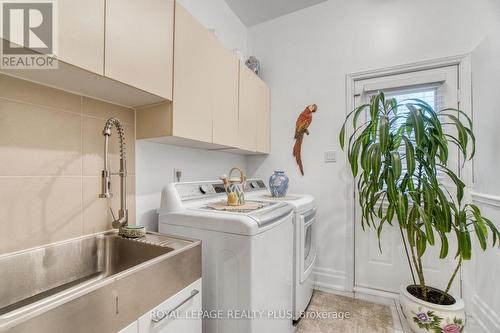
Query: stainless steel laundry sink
point(40, 287)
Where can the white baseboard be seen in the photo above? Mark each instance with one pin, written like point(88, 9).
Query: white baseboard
point(485, 316)
point(329, 279)
point(375, 292)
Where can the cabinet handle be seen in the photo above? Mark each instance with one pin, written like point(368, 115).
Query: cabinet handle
point(159, 315)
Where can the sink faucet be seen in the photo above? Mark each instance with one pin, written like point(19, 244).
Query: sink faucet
point(122, 220)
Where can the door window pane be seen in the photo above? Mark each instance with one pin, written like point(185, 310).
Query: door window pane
point(428, 94)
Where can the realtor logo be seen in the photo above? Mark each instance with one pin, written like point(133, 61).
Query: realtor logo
point(28, 34)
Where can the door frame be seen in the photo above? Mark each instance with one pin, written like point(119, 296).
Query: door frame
point(463, 62)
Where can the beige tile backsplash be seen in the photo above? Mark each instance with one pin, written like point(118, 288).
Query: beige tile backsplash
point(99, 109)
point(21, 90)
point(51, 150)
point(39, 210)
point(37, 141)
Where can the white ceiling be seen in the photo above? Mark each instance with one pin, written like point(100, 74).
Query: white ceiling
point(252, 12)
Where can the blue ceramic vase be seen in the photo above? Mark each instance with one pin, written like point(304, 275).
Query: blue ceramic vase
point(278, 184)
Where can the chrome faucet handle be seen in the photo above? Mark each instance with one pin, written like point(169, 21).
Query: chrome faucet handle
point(117, 222)
point(112, 213)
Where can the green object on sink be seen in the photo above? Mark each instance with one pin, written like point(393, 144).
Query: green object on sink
point(132, 231)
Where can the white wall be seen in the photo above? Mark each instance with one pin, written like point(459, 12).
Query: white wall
point(155, 169)
point(485, 268)
point(305, 57)
point(486, 90)
point(156, 162)
point(216, 14)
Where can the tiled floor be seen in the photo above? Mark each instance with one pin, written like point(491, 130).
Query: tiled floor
point(353, 315)
point(400, 325)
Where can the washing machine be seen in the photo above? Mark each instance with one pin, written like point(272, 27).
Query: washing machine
point(247, 256)
point(304, 257)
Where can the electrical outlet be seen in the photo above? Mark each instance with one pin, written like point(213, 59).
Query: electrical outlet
point(177, 175)
point(330, 156)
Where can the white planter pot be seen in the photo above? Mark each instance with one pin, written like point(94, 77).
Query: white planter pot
point(425, 317)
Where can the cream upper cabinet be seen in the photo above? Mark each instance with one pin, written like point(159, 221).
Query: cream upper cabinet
point(263, 107)
point(81, 34)
point(205, 93)
point(247, 122)
point(224, 90)
point(217, 102)
point(253, 129)
point(193, 102)
point(139, 43)
point(205, 100)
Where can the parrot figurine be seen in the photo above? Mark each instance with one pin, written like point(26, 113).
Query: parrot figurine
point(301, 127)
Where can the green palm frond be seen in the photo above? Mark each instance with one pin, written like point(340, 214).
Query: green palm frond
point(399, 158)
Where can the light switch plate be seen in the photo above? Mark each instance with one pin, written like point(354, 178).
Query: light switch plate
point(330, 156)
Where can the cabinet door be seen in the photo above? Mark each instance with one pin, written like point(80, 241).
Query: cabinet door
point(248, 104)
point(224, 87)
point(254, 113)
point(263, 118)
point(81, 34)
point(192, 99)
point(139, 44)
point(178, 314)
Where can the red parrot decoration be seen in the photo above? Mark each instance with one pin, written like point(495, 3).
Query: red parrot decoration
point(301, 127)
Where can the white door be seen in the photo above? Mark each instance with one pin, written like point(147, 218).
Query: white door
point(386, 271)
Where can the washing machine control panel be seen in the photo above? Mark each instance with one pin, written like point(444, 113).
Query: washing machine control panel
point(254, 185)
point(200, 190)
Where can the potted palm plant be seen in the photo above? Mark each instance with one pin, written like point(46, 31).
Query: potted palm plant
point(396, 155)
